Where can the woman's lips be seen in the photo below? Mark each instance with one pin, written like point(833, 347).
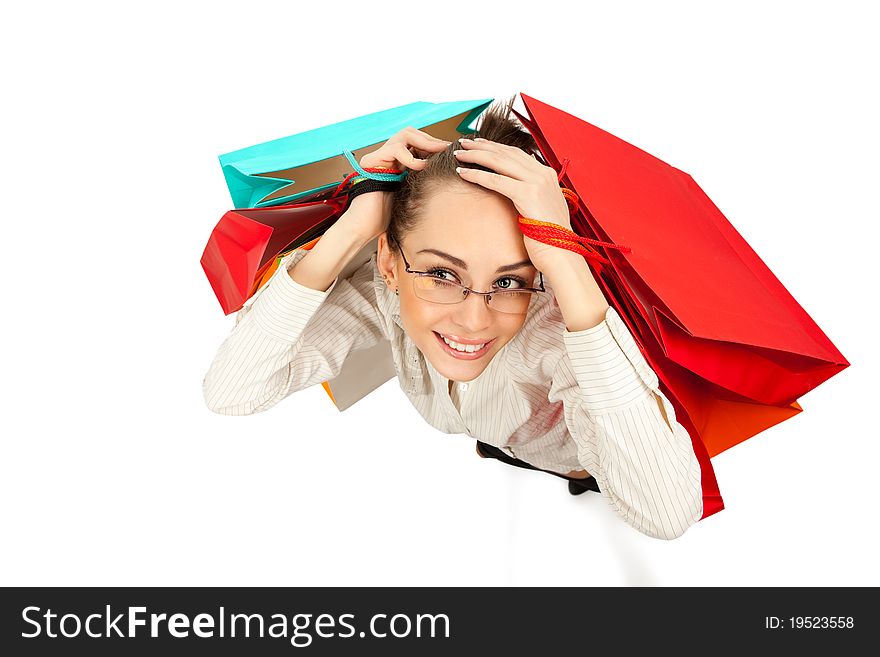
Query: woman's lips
point(463, 355)
point(461, 340)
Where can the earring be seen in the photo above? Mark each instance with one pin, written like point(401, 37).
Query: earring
point(386, 283)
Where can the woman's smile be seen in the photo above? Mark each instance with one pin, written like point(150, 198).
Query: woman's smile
point(466, 349)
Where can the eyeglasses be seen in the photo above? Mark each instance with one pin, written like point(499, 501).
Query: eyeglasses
point(431, 287)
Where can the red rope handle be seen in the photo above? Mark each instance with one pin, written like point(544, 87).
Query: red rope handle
point(562, 169)
point(556, 235)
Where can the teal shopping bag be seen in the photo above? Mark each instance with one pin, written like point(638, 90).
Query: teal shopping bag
point(288, 169)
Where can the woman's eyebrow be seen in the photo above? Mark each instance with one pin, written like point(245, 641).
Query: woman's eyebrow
point(460, 263)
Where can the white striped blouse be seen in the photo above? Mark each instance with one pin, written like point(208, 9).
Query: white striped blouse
point(556, 399)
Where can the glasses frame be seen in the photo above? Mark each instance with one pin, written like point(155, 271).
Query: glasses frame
point(467, 290)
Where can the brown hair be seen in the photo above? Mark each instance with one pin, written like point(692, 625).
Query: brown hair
point(496, 124)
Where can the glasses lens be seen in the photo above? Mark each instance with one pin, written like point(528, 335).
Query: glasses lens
point(513, 302)
point(437, 290)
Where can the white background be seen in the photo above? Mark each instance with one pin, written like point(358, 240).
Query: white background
point(115, 473)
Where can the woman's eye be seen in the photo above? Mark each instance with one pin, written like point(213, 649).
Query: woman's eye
point(509, 283)
point(438, 273)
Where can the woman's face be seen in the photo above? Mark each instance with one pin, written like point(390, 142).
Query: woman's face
point(478, 233)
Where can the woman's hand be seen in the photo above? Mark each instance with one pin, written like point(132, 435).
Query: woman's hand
point(533, 187)
point(371, 211)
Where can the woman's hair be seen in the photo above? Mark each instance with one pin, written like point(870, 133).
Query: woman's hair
point(408, 203)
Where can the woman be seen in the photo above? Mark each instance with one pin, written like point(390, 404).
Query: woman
point(542, 372)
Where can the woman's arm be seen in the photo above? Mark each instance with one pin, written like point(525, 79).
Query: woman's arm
point(294, 333)
point(625, 430)
point(339, 244)
point(624, 427)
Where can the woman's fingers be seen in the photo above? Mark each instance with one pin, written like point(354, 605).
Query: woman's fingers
point(500, 162)
point(420, 139)
point(406, 158)
point(496, 182)
point(403, 148)
point(494, 146)
point(418, 142)
point(413, 138)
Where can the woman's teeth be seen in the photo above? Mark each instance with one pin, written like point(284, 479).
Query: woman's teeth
point(469, 348)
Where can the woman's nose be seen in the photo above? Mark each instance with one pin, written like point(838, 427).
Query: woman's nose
point(474, 314)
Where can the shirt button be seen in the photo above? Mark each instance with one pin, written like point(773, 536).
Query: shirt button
point(464, 387)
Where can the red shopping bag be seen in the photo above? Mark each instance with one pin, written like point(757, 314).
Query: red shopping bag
point(245, 243)
point(733, 350)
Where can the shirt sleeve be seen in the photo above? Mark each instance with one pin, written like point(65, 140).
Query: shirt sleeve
point(625, 430)
point(289, 337)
